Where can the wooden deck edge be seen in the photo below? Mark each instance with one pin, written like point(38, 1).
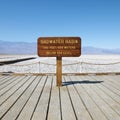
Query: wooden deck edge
point(66, 74)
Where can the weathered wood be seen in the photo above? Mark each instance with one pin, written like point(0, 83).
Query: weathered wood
point(15, 111)
point(102, 104)
point(13, 99)
point(30, 106)
point(6, 82)
point(59, 71)
point(54, 109)
point(79, 108)
point(11, 92)
point(81, 97)
point(43, 103)
point(67, 110)
point(107, 99)
point(2, 78)
point(108, 90)
point(110, 81)
point(10, 86)
point(90, 105)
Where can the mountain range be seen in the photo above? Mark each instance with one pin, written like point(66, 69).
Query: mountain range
point(31, 48)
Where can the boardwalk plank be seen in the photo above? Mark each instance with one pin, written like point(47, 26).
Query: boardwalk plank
point(41, 109)
point(109, 100)
point(9, 93)
point(80, 110)
point(54, 109)
point(111, 81)
point(80, 98)
point(108, 90)
point(16, 108)
point(2, 79)
point(106, 96)
point(28, 110)
point(4, 108)
point(116, 91)
point(105, 108)
point(7, 82)
point(93, 108)
point(67, 110)
point(10, 86)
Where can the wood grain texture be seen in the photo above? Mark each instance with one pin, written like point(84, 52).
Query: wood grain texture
point(79, 98)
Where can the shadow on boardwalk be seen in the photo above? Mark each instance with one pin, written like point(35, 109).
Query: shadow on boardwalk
point(80, 82)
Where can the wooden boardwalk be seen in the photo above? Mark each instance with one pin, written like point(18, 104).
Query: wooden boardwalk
point(30, 97)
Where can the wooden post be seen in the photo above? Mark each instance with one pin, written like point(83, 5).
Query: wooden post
point(59, 71)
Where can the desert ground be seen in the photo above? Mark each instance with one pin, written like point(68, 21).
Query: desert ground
point(82, 64)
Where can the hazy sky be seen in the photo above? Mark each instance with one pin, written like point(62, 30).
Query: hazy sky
point(97, 22)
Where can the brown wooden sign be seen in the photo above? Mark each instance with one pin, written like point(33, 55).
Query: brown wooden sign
point(59, 46)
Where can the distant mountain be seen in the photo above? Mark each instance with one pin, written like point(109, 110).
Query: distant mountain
point(93, 50)
point(31, 48)
point(17, 47)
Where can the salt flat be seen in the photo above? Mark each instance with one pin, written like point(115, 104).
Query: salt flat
point(82, 64)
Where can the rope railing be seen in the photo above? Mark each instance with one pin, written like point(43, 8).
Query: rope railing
point(63, 64)
point(101, 64)
point(22, 64)
point(77, 67)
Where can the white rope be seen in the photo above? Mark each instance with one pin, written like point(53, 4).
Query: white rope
point(62, 65)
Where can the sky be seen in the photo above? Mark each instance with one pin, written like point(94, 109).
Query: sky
point(97, 22)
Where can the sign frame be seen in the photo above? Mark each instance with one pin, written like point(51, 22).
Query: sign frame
point(59, 47)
